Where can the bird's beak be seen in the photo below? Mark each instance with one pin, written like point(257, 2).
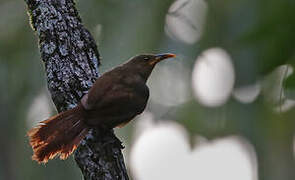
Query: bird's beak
point(160, 57)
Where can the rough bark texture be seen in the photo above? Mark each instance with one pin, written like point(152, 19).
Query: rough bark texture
point(71, 62)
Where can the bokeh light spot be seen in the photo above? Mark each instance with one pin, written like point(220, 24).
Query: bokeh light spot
point(163, 152)
point(275, 92)
point(213, 77)
point(169, 84)
point(158, 153)
point(247, 94)
point(228, 158)
point(40, 109)
point(185, 19)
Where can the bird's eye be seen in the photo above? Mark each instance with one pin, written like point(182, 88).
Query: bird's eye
point(146, 58)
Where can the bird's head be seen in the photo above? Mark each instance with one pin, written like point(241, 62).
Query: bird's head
point(150, 59)
point(144, 64)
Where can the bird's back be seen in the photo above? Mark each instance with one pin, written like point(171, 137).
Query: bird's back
point(122, 96)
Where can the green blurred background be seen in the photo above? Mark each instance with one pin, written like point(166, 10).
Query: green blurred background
point(257, 35)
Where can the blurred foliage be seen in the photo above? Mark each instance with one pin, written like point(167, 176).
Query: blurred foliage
point(289, 86)
point(259, 36)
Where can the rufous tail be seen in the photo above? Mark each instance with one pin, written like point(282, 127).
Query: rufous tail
point(58, 135)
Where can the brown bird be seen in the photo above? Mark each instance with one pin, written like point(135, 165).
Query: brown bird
point(115, 98)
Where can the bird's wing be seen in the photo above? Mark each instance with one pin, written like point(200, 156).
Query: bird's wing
point(101, 86)
point(118, 105)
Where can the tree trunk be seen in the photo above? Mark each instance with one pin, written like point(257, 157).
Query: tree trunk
point(71, 62)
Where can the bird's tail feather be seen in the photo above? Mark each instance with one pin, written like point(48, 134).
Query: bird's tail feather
point(58, 135)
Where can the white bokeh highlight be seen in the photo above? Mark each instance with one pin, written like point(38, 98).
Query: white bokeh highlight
point(169, 83)
point(274, 83)
point(228, 158)
point(145, 121)
point(98, 31)
point(152, 156)
point(289, 102)
point(274, 91)
point(185, 19)
point(40, 109)
point(213, 77)
point(286, 106)
point(163, 152)
point(247, 94)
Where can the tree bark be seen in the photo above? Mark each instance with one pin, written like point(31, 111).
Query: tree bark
point(71, 62)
